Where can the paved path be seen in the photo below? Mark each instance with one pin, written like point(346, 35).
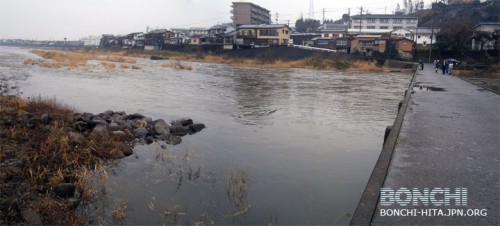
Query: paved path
point(449, 139)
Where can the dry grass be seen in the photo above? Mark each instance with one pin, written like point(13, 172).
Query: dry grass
point(177, 65)
point(119, 59)
point(135, 67)
point(62, 59)
point(237, 193)
point(119, 212)
point(29, 61)
point(47, 155)
point(124, 66)
point(108, 66)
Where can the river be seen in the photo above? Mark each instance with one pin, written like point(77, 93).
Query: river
point(306, 141)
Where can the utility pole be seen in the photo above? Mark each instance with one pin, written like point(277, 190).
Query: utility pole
point(276, 17)
point(360, 18)
point(323, 15)
point(432, 36)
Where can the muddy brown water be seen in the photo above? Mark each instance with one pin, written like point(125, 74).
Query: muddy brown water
point(306, 141)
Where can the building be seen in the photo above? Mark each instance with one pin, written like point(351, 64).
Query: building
point(331, 30)
point(381, 23)
point(263, 35)
point(157, 39)
point(482, 38)
point(91, 41)
point(249, 13)
point(300, 38)
point(367, 44)
point(424, 36)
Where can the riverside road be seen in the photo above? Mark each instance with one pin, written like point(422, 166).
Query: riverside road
point(449, 138)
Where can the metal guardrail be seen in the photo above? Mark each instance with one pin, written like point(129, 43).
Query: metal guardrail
point(314, 48)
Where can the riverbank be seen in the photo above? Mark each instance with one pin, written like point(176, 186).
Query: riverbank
point(486, 78)
point(54, 160)
point(123, 58)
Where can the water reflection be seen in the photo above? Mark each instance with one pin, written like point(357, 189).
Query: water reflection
point(305, 140)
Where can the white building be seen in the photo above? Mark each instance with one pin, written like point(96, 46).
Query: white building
point(421, 35)
point(381, 23)
point(91, 41)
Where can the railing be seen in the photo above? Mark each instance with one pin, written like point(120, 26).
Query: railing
point(314, 48)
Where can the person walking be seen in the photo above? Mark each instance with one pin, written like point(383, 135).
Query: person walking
point(446, 67)
point(421, 63)
point(436, 65)
point(443, 67)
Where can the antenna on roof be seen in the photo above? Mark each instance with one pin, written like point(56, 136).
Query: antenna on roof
point(311, 9)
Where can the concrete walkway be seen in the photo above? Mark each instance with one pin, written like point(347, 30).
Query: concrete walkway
point(449, 139)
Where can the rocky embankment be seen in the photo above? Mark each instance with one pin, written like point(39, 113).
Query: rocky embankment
point(48, 153)
point(126, 126)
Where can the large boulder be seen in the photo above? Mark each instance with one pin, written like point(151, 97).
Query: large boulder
point(91, 123)
point(160, 127)
point(100, 130)
point(46, 119)
point(134, 116)
point(182, 122)
point(80, 126)
point(194, 128)
point(114, 126)
point(178, 130)
point(140, 132)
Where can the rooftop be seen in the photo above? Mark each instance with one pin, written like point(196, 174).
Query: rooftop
point(383, 16)
point(263, 26)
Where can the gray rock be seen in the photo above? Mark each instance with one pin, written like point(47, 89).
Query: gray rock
point(110, 112)
point(45, 119)
point(86, 116)
point(118, 155)
point(91, 123)
point(77, 117)
point(160, 127)
point(134, 116)
point(128, 151)
point(163, 146)
point(120, 134)
point(140, 132)
point(104, 116)
point(174, 140)
point(64, 190)
point(100, 130)
point(178, 130)
point(114, 126)
point(194, 128)
point(120, 113)
point(182, 122)
point(149, 140)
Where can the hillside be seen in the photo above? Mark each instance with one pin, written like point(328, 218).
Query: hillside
point(443, 15)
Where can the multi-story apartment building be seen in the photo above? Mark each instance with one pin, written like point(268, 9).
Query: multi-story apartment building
point(249, 13)
point(381, 23)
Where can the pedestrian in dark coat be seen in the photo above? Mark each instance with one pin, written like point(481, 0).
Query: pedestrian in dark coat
point(443, 67)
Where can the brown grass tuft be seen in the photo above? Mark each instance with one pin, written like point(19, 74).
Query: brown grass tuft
point(29, 61)
point(135, 67)
point(119, 212)
point(124, 66)
point(108, 66)
point(119, 59)
point(177, 65)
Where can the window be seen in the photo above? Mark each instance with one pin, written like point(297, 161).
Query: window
point(397, 27)
point(341, 42)
point(357, 21)
point(371, 21)
point(384, 27)
point(384, 21)
point(268, 32)
point(411, 21)
point(323, 42)
point(370, 27)
point(357, 27)
point(398, 21)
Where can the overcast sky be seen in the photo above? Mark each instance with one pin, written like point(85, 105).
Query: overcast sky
point(74, 19)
